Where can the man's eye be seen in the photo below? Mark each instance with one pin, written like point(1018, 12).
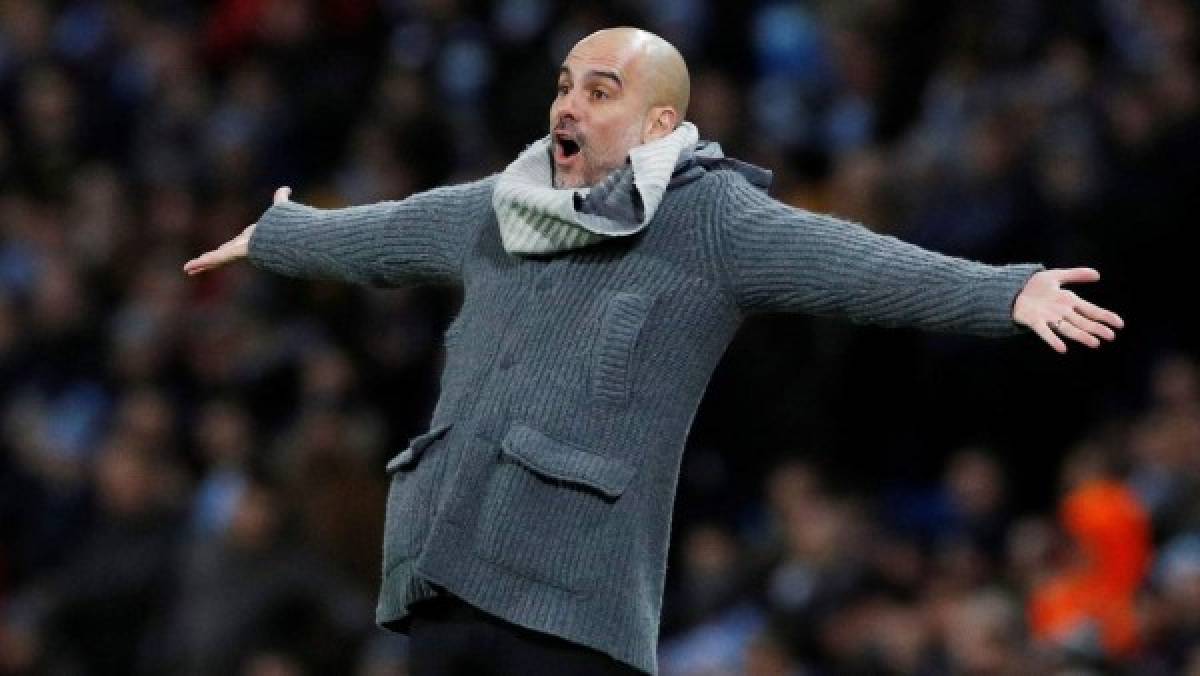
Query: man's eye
point(561, 90)
point(599, 94)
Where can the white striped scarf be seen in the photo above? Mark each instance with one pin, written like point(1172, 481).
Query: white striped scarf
point(535, 217)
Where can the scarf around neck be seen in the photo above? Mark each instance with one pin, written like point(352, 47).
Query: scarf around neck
point(537, 218)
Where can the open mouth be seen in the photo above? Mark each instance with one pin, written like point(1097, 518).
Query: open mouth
point(568, 147)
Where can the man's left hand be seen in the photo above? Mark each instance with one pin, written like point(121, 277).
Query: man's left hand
point(1055, 313)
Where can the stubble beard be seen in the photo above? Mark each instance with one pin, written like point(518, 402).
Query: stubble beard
point(593, 176)
point(561, 183)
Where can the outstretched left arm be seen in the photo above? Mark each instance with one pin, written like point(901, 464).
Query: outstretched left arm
point(781, 259)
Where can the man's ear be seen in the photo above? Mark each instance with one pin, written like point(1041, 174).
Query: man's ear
point(661, 121)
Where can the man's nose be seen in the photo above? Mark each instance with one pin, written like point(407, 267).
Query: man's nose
point(566, 107)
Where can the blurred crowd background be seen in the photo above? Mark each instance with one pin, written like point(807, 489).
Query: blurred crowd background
point(191, 469)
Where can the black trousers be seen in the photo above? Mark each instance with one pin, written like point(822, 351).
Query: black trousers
point(448, 637)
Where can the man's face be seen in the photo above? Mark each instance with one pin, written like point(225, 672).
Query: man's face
point(598, 112)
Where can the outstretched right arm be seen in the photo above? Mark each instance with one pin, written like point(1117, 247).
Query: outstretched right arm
point(422, 238)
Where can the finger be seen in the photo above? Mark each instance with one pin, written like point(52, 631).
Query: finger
point(282, 194)
point(1094, 328)
point(1077, 275)
point(195, 267)
point(204, 262)
point(1046, 334)
point(1077, 334)
point(1099, 314)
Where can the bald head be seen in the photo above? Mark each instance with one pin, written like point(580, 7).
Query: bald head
point(652, 65)
point(617, 88)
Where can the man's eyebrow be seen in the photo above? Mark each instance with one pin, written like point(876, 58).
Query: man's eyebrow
point(609, 74)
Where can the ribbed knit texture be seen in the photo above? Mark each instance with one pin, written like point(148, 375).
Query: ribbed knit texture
point(384, 244)
point(543, 492)
point(781, 258)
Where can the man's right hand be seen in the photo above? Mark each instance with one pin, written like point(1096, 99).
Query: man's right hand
point(233, 250)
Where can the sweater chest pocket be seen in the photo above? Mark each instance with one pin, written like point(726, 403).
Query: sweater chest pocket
point(411, 495)
point(547, 508)
point(612, 361)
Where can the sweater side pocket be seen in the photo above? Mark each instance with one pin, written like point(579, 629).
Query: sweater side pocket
point(546, 510)
point(411, 490)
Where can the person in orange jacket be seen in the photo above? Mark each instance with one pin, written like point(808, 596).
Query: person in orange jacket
point(1090, 605)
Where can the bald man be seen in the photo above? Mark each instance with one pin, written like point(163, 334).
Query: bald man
point(617, 89)
point(604, 272)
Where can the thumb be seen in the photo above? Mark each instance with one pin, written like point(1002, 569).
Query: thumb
point(282, 194)
point(1075, 275)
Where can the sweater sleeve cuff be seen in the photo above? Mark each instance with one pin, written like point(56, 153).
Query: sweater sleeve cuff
point(998, 295)
point(275, 238)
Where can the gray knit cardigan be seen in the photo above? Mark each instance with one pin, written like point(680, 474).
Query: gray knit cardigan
point(542, 491)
